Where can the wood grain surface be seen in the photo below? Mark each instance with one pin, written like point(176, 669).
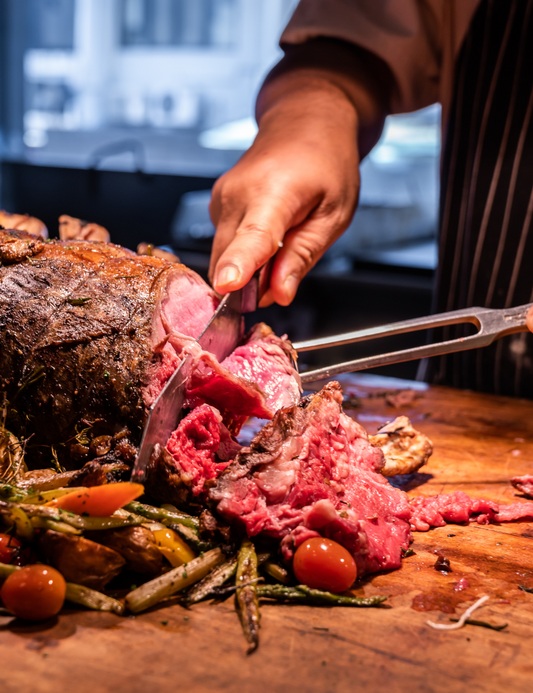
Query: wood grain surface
point(480, 442)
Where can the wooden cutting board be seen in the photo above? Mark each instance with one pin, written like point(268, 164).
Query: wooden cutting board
point(480, 441)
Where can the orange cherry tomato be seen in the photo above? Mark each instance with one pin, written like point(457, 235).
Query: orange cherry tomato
point(99, 501)
point(323, 564)
point(35, 592)
point(9, 548)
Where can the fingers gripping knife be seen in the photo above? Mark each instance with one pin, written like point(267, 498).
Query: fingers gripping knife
point(491, 323)
point(220, 337)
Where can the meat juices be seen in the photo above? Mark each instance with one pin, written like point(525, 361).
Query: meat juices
point(92, 331)
point(311, 471)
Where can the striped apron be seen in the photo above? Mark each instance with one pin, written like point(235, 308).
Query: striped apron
point(486, 236)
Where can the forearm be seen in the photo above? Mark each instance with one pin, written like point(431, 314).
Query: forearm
point(328, 74)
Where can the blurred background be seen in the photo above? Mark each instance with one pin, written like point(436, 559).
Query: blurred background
point(125, 112)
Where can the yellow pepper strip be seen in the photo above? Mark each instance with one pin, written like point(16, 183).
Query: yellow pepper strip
point(172, 546)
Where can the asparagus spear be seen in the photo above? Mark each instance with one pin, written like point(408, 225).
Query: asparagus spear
point(11, 493)
point(175, 580)
point(161, 514)
point(277, 572)
point(79, 594)
point(189, 536)
point(6, 570)
point(46, 523)
point(78, 521)
point(52, 494)
point(246, 597)
point(304, 594)
point(215, 578)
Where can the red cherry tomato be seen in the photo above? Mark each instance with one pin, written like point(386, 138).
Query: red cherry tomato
point(9, 548)
point(324, 564)
point(34, 592)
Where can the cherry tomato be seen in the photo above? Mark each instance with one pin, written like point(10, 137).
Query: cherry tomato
point(324, 564)
point(34, 592)
point(9, 548)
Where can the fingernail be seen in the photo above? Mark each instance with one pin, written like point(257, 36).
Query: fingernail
point(227, 275)
point(290, 286)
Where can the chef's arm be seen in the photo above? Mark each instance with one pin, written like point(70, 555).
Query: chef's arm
point(295, 190)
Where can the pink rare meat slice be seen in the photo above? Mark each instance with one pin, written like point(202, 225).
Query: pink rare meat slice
point(458, 507)
point(185, 306)
point(311, 471)
point(255, 380)
point(268, 361)
point(524, 484)
point(201, 447)
point(197, 451)
point(258, 378)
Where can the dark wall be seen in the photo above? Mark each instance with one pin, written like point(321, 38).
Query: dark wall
point(134, 207)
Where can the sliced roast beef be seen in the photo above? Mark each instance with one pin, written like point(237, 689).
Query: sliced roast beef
point(458, 507)
point(312, 469)
point(201, 447)
point(524, 484)
point(91, 331)
point(197, 452)
point(269, 361)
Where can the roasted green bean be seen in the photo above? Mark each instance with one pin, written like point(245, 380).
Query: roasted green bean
point(163, 515)
point(175, 580)
point(307, 595)
point(214, 579)
point(79, 594)
point(246, 597)
point(277, 572)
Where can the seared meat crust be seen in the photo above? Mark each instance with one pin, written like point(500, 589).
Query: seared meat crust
point(75, 335)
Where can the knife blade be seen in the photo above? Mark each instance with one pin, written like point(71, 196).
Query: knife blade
point(220, 337)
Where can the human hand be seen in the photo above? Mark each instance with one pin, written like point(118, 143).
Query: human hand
point(295, 190)
point(293, 193)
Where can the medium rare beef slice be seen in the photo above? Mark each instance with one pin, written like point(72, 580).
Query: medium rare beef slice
point(524, 484)
point(257, 379)
point(312, 469)
point(458, 507)
point(269, 361)
point(198, 451)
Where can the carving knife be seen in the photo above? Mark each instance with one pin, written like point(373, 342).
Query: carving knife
point(220, 337)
